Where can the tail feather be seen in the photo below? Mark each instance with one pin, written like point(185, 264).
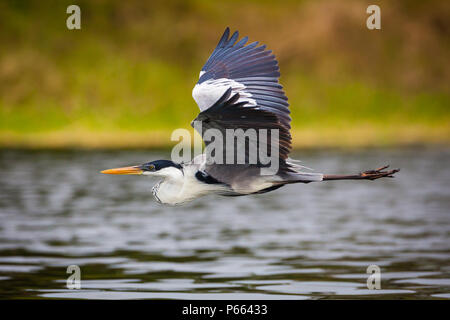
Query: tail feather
point(295, 173)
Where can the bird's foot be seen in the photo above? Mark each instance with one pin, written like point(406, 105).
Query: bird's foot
point(378, 173)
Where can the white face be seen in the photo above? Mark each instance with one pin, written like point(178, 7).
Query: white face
point(169, 172)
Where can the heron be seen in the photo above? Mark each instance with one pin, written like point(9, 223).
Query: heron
point(238, 88)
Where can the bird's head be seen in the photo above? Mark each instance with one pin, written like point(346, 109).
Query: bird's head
point(158, 168)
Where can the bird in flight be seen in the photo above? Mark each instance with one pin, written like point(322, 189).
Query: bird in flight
point(238, 89)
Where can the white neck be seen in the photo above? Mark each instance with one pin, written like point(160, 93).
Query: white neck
point(180, 186)
point(167, 190)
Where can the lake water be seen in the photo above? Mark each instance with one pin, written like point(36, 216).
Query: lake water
point(310, 241)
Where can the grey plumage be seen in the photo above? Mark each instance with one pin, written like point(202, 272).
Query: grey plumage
point(252, 66)
point(254, 72)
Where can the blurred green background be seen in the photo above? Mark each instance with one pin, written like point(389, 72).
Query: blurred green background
point(125, 78)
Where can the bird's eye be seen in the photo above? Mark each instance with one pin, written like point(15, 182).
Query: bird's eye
point(151, 167)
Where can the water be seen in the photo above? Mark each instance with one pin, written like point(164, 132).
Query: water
point(299, 242)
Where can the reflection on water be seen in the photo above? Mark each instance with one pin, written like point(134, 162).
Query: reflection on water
point(299, 242)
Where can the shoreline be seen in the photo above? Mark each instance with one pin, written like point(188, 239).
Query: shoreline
point(306, 138)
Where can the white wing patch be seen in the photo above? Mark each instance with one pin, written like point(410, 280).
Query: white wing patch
point(207, 93)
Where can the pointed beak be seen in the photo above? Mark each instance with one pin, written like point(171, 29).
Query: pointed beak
point(124, 170)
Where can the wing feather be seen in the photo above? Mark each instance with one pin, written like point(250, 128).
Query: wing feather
point(238, 87)
point(242, 65)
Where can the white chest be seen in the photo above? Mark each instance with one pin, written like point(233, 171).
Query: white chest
point(177, 191)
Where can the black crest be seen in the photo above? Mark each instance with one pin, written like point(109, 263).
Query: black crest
point(161, 164)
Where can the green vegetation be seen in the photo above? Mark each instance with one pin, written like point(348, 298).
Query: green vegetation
point(125, 78)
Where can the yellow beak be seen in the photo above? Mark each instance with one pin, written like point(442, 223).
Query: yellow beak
point(124, 170)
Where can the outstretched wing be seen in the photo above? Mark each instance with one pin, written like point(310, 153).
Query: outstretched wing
point(252, 72)
point(238, 89)
point(229, 112)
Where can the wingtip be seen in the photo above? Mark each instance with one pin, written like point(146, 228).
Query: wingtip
point(224, 39)
point(235, 36)
point(226, 33)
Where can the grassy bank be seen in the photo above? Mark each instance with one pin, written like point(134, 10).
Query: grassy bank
point(125, 79)
point(364, 136)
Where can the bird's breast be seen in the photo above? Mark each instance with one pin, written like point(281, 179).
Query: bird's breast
point(179, 191)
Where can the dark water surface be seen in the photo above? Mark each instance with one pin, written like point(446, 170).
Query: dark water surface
point(299, 242)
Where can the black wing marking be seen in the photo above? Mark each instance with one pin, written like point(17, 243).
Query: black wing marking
point(228, 113)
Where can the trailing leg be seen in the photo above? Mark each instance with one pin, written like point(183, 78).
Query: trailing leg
point(366, 175)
